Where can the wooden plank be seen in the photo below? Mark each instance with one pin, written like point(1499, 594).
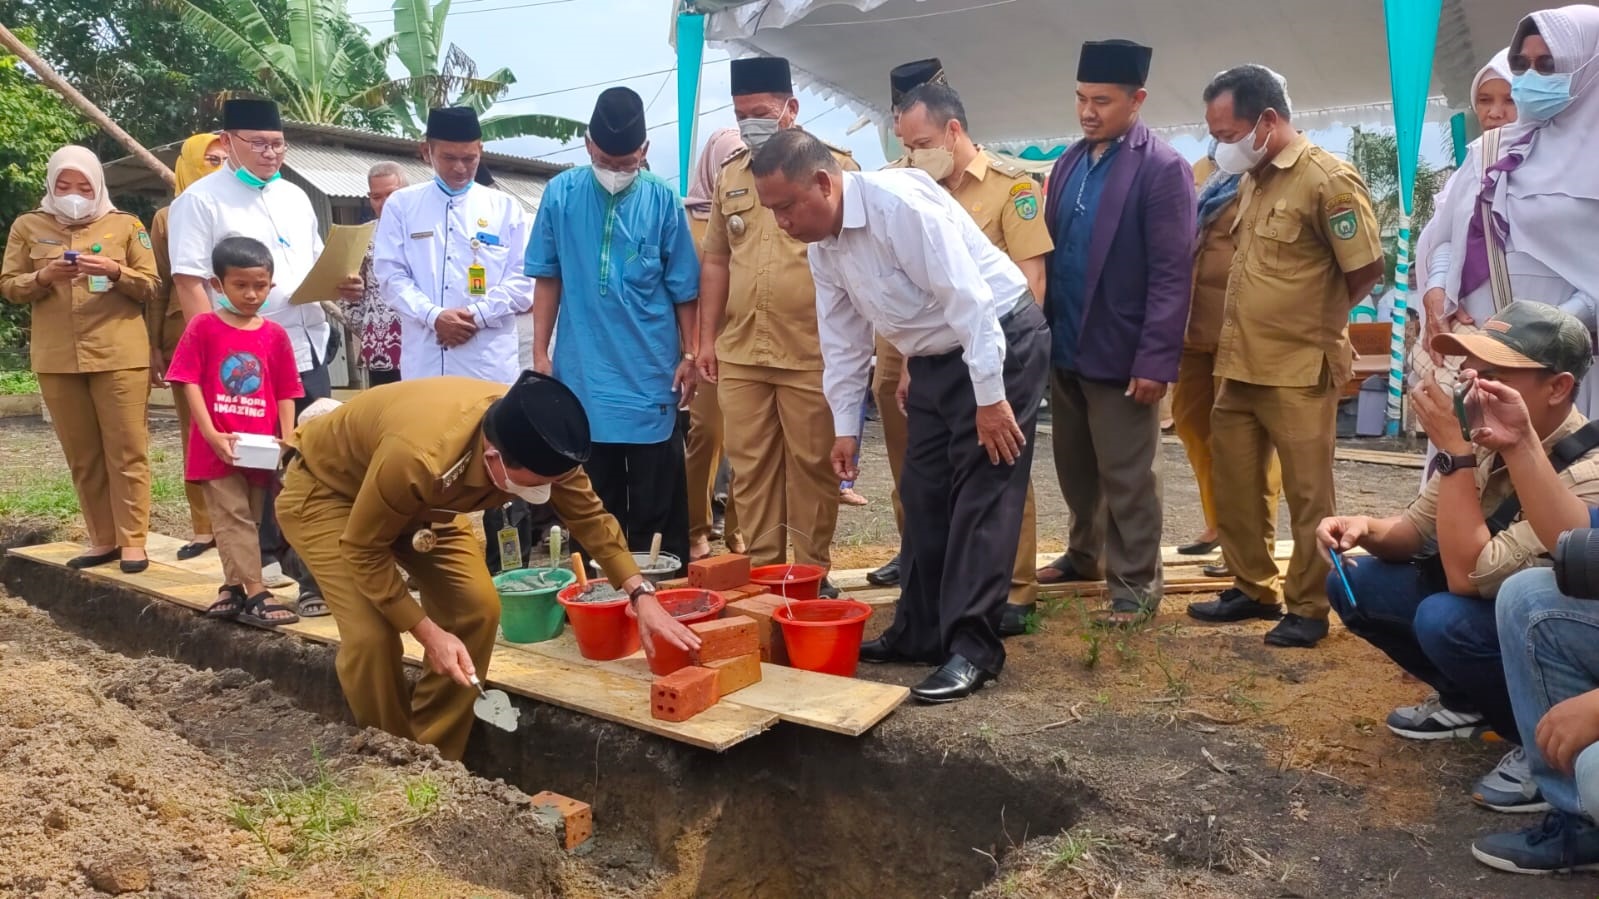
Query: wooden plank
point(852, 581)
point(591, 691)
point(842, 705)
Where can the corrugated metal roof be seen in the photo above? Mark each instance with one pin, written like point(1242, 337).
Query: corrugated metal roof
point(341, 172)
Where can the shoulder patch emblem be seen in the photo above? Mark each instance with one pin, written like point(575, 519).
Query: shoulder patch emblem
point(144, 238)
point(1025, 201)
point(1342, 219)
point(454, 474)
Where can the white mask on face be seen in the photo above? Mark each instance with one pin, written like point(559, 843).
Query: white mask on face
point(76, 207)
point(536, 496)
point(758, 131)
point(613, 181)
point(1240, 157)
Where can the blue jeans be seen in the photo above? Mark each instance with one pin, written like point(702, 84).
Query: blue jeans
point(1449, 641)
point(1551, 650)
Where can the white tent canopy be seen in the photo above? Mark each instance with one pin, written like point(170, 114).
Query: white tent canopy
point(1014, 61)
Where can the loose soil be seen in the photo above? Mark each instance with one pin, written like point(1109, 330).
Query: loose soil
point(1200, 763)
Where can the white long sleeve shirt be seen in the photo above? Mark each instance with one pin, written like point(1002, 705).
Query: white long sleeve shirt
point(912, 265)
point(278, 215)
point(423, 248)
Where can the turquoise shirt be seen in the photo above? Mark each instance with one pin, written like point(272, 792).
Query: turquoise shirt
point(625, 263)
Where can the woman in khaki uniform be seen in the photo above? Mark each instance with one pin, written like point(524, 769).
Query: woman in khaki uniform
point(201, 155)
point(87, 270)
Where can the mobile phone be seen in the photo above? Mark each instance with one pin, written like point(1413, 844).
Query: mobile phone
point(1468, 410)
point(71, 257)
point(1343, 576)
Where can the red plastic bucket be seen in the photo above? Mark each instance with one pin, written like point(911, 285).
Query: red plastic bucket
point(824, 635)
point(604, 630)
point(791, 581)
point(688, 606)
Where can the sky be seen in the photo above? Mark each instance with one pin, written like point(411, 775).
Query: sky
point(564, 52)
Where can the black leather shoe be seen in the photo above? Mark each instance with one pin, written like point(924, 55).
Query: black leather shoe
point(887, 576)
point(828, 589)
point(1297, 632)
point(957, 679)
point(1014, 622)
point(195, 550)
point(1217, 569)
point(135, 566)
point(1233, 605)
point(1198, 548)
point(878, 652)
point(90, 560)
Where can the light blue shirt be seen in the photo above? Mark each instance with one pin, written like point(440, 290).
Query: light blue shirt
point(625, 263)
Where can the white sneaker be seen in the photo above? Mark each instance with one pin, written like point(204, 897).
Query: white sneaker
point(1429, 720)
point(273, 577)
point(1509, 787)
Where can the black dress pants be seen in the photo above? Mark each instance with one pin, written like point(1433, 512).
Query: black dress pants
point(645, 485)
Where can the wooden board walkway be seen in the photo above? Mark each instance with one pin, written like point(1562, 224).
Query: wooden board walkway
point(554, 672)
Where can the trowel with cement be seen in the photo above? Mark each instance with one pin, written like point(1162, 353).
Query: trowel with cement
point(494, 707)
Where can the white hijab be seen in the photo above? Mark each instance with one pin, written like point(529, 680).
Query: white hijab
point(83, 161)
point(1551, 200)
point(1453, 206)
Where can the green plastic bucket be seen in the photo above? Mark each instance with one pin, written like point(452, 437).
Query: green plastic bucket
point(531, 615)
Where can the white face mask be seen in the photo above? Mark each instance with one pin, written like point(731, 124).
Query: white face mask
point(613, 181)
point(536, 496)
point(76, 207)
point(758, 131)
point(1240, 157)
point(935, 161)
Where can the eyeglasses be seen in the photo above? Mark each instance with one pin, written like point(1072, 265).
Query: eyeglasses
point(215, 161)
point(264, 147)
point(1543, 65)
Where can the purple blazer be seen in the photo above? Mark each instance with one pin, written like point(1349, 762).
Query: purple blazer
point(1140, 260)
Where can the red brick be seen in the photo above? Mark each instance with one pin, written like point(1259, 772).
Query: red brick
point(573, 820)
point(725, 638)
point(720, 572)
point(744, 592)
point(683, 694)
point(733, 675)
point(677, 583)
point(760, 609)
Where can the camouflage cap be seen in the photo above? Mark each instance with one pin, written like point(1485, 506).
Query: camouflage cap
point(1526, 335)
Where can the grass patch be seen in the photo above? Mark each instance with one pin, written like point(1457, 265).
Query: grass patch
point(18, 383)
point(298, 821)
point(52, 497)
point(1076, 846)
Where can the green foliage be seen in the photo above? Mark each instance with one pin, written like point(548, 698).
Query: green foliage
point(18, 383)
point(52, 497)
point(314, 813)
point(34, 123)
point(1375, 155)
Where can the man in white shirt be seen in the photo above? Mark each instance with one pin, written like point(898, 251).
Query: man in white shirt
point(894, 252)
point(249, 197)
point(448, 256)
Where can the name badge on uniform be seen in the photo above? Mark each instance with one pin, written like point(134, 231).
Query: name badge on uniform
point(487, 239)
point(510, 547)
point(737, 193)
point(477, 280)
point(421, 235)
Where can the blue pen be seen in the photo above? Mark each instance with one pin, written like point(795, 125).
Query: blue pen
point(1343, 577)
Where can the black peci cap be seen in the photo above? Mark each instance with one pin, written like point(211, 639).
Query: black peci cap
point(539, 425)
point(457, 124)
point(761, 75)
point(251, 115)
point(1114, 62)
point(911, 75)
point(617, 126)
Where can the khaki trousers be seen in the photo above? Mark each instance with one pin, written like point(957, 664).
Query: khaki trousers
point(457, 594)
point(1247, 423)
point(101, 420)
point(779, 441)
point(199, 516)
point(1192, 400)
point(237, 505)
point(1024, 575)
point(703, 447)
point(1107, 458)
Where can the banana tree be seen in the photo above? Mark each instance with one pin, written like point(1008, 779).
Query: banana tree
point(1375, 155)
point(439, 77)
point(308, 54)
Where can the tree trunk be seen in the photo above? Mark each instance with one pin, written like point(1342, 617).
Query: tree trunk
point(48, 75)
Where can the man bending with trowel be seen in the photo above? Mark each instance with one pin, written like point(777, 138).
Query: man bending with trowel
point(390, 477)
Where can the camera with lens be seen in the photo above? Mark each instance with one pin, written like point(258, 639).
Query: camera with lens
point(1576, 558)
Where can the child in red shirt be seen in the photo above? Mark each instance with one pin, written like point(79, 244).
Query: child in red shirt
point(238, 375)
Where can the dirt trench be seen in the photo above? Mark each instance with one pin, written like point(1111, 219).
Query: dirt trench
point(794, 812)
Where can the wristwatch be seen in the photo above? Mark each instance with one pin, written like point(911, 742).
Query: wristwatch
point(640, 590)
point(1446, 463)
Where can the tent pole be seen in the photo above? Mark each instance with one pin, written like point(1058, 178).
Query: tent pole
point(690, 54)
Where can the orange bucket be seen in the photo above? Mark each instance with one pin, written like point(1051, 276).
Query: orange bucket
point(603, 629)
point(687, 606)
point(790, 581)
point(825, 634)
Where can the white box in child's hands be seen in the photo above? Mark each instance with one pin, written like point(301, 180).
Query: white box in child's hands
point(256, 451)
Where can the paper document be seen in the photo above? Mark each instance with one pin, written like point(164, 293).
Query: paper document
point(341, 257)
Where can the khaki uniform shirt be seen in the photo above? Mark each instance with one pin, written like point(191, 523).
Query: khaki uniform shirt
point(163, 316)
point(771, 300)
point(1302, 224)
point(1213, 262)
point(1517, 546)
point(403, 471)
point(1005, 202)
point(75, 331)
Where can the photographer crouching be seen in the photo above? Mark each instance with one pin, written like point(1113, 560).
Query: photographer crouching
point(1425, 596)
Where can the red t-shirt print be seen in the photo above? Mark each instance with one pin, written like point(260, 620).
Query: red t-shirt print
point(243, 375)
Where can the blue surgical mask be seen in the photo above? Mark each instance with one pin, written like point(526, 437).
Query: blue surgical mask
point(451, 191)
point(222, 300)
point(248, 177)
point(1540, 97)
